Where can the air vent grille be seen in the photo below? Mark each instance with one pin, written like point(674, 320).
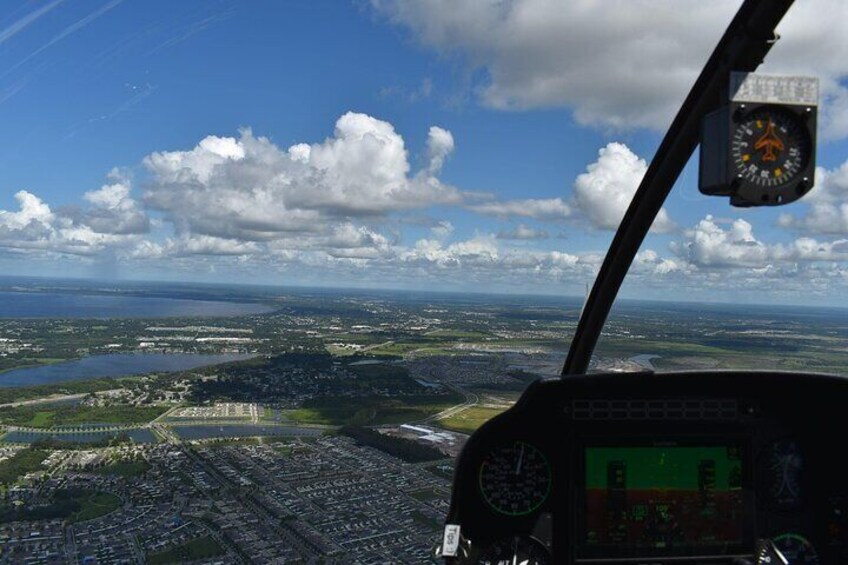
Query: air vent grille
point(655, 409)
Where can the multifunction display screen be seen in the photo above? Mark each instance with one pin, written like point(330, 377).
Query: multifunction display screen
point(661, 498)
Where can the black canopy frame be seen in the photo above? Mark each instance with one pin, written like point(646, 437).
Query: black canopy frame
point(743, 47)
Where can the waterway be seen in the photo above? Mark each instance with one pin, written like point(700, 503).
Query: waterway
point(646, 360)
point(112, 365)
point(70, 305)
point(138, 435)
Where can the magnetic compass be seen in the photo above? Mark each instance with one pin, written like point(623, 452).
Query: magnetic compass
point(770, 147)
point(760, 147)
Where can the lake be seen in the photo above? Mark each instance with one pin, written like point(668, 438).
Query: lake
point(70, 305)
point(113, 365)
point(138, 435)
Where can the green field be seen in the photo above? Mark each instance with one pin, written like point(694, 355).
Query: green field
point(17, 394)
point(11, 364)
point(45, 416)
point(813, 354)
point(469, 419)
point(125, 469)
point(94, 504)
point(434, 347)
point(200, 548)
point(21, 463)
point(370, 410)
point(73, 505)
point(457, 334)
point(40, 419)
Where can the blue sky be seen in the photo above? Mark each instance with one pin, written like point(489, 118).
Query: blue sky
point(455, 145)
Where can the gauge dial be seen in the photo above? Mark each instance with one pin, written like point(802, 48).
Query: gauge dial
point(785, 466)
point(515, 479)
point(788, 549)
point(521, 550)
point(770, 147)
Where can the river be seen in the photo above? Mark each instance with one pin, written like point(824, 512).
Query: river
point(113, 365)
point(70, 305)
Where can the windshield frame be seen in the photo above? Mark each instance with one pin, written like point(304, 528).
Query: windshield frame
point(743, 47)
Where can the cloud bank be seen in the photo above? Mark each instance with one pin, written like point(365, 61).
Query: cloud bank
point(616, 63)
point(351, 209)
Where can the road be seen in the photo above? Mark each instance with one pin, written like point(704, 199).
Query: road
point(471, 399)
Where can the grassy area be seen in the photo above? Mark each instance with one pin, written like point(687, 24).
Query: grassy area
point(43, 417)
point(284, 449)
point(17, 394)
point(731, 353)
point(397, 349)
point(40, 419)
point(457, 334)
point(125, 469)
point(94, 504)
point(73, 505)
point(371, 410)
point(21, 463)
point(27, 362)
point(469, 419)
point(200, 548)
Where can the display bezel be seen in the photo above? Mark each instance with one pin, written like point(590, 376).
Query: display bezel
point(584, 551)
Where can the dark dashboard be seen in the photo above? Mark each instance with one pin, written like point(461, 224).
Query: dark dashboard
point(730, 467)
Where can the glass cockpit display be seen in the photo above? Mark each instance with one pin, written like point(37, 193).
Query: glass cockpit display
point(664, 498)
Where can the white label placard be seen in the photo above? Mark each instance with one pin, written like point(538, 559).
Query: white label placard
point(774, 89)
point(450, 545)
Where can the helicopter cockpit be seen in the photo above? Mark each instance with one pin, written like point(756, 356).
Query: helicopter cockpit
point(686, 467)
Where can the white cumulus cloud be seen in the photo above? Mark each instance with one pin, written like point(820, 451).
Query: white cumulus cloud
point(827, 204)
point(548, 209)
point(710, 244)
point(723, 244)
point(605, 190)
point(619, 63)
point(440, 144)
point(50, 232)
point(524, 232)
point(249, 188)
point(113, 210)
point(34, 214)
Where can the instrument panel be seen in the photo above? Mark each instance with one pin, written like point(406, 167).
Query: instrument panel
point(730, 467)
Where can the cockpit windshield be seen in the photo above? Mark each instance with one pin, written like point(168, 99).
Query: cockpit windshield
point(266, 267)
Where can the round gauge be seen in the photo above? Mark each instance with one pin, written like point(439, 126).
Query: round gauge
point(788, 549)
point(785, 465)
point(515, 478)
point(517, 549)
point(770, 147)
